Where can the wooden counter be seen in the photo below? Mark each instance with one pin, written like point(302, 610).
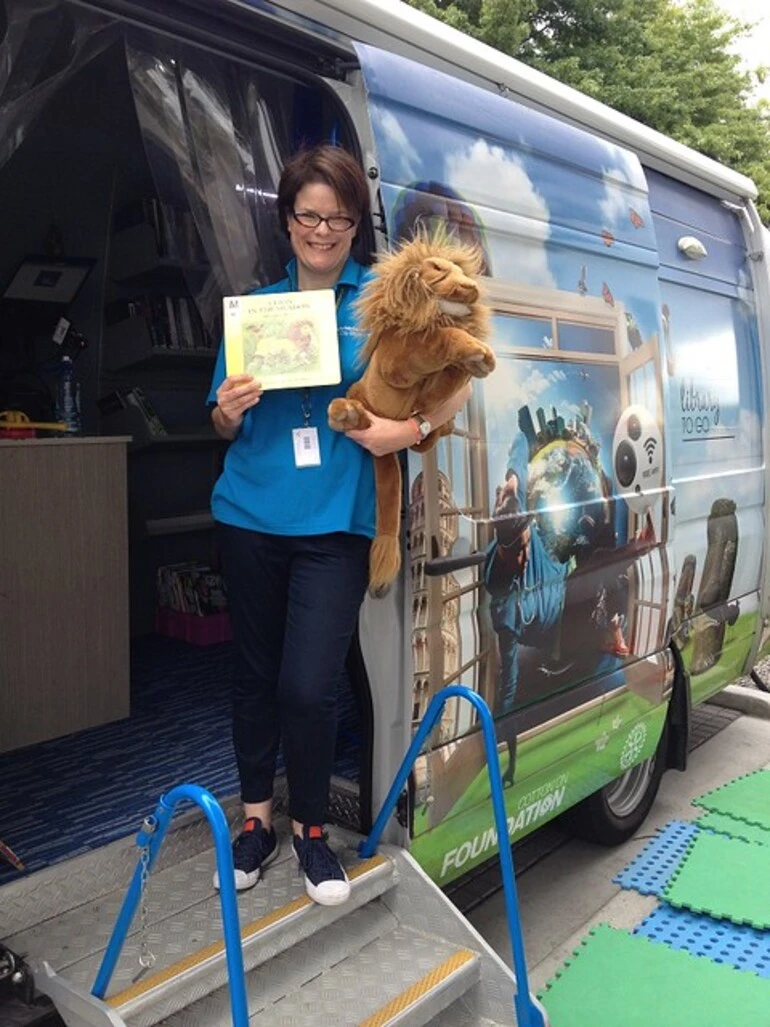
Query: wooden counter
point(64, 649)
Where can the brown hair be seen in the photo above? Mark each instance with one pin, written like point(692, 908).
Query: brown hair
point(334, 167)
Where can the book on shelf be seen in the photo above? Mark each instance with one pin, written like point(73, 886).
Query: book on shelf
point(172, 322)
point(174, 228)
point(285, 340)
point(191, 587)
point(129, 410)
point(186, 324)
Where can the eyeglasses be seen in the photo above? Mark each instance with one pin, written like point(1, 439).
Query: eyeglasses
point(309, 219)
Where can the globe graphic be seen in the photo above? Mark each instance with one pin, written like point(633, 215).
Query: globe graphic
point(565, 491)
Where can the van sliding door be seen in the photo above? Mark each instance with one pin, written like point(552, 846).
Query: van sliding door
point(539, 530)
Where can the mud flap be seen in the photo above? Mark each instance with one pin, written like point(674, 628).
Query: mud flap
point(679, 708)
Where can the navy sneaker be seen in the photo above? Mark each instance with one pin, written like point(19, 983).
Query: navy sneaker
point(253, 849)
point(325, 881)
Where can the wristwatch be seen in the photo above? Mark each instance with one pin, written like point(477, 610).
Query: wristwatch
point(423, 425)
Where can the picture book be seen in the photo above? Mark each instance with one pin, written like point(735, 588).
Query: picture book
point(285, 340)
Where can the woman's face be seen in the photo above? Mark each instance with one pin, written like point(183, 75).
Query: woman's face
point(321, 253)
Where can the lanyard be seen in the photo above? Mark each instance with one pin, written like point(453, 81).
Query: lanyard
point(305, 403)
point(307, 406)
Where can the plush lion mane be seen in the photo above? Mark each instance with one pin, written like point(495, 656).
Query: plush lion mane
point(397, 300)
point(426, 324)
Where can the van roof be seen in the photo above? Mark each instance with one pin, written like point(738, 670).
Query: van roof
point(394, 26)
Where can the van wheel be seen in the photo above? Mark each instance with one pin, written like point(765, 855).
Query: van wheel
point(614, 813)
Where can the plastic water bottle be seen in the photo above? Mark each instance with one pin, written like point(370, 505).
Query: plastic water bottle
point(68, 397)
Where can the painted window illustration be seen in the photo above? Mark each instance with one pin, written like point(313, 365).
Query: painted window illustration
point(570, 585)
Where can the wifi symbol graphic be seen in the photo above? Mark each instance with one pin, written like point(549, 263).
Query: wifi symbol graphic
point(650, 445)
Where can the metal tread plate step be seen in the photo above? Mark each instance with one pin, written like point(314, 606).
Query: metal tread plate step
point(104, 873)
point(187, 987)
point(400, 898)
point(460, 1014)
point(281, 928)
point(85, 876)
point(184, 927)
point(369, 972)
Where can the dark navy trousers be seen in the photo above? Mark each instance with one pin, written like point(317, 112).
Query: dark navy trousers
point(294, 603)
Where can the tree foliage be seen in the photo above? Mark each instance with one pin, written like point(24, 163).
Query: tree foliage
point(667, 63)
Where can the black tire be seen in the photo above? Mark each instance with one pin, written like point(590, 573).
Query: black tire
point(616, 812)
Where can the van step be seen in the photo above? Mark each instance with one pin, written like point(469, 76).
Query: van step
point(170, 987)
point(184, 931)
point(461, 1014)
point(397, 953)
point(369, 972)
point(435, 990)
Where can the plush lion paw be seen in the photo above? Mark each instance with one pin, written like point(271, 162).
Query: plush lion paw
point(480, 363)
point(346, 414)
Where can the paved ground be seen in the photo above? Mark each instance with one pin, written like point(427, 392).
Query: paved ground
point(571, 890)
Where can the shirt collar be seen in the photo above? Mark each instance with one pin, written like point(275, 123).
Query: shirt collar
point(350, 275)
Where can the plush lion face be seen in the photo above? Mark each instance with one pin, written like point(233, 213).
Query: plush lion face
point(426, 283)
point(446, 280)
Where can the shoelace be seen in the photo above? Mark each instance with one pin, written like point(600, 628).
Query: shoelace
point(250, 848)
point(318, 861)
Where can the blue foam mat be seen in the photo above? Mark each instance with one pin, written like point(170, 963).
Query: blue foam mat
point(650, 871)
point(739, 946)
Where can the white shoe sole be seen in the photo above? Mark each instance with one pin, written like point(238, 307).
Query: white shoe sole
point(327, 893)
point(244, 881)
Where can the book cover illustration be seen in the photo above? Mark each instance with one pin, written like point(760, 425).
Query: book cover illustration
point(285, 340)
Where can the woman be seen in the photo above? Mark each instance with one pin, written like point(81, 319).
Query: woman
point(295, 539)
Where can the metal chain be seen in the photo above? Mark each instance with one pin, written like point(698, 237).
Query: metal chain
point(146, 957)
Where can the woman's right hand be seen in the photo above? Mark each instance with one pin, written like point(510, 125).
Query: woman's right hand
point(237, 394)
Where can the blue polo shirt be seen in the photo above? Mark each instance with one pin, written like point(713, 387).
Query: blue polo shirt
point(260, 487)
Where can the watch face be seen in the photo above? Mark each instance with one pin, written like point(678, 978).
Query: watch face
point(424, 427)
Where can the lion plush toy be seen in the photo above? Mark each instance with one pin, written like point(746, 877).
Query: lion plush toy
point(426, 324)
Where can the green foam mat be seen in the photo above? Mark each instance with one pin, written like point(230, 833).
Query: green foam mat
point(723, 824)
point(725, 878)
point(624, 980)
point(746, 798)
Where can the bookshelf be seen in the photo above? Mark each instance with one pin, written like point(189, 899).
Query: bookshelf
point(139, 261)
point(157, 358)
point(200, 520)
point(133, 342)
point(178, 439)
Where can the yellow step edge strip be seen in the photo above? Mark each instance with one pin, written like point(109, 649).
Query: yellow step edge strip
point(181, 966)
point(419, 989)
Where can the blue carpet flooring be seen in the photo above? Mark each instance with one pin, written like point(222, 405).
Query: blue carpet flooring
point(72, 794)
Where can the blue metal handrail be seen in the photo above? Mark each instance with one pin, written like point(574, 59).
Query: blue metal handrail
point(528, 1011)
point(151, 837)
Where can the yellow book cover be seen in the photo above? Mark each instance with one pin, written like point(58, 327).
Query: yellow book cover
point(286, 340)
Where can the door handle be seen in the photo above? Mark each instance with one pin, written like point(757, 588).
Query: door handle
point(446, 564)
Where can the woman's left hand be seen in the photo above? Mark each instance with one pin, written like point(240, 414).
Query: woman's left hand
point(384, 436)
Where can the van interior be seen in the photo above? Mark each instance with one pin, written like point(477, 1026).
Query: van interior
point(144, 169)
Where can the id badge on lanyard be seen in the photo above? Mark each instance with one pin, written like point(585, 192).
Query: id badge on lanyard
point(307, 448)
point(307, 452)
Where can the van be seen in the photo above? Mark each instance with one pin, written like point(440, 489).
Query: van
point(586, 550)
